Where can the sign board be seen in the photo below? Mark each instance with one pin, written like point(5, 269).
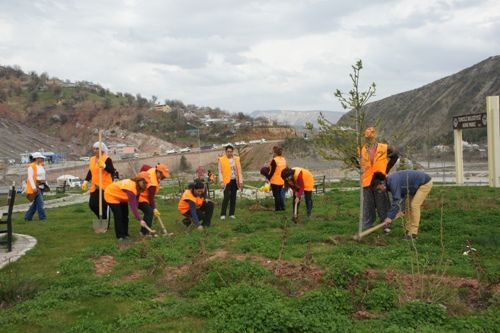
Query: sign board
point(466, 121)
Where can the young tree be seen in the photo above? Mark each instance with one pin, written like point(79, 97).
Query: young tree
point(342, 143)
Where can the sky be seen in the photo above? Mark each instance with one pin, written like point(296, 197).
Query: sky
point(248, 55)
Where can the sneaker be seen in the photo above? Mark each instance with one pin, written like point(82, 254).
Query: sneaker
point(410, 236)
point(200, 227)
point(121, 239)
point(232, 217)
point(387, 230)
point(223, 217)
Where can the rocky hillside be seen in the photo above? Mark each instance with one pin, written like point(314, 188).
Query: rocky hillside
point(425, 114)
point(297, 119)
point(72, 112)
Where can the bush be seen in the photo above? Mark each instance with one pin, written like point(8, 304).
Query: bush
point(415, 314)
point(381, 298)
point(343, 272)
point(13, 289)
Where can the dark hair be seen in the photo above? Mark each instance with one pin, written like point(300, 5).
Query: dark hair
point(286, 173)
point(198, 185)
point(378, 178)
point(264, 171)
point(229, 146)
point(278, 150)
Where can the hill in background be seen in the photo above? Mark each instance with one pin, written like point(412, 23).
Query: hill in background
point(297, 119)
point(424, 115)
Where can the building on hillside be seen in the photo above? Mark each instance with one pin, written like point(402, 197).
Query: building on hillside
point(163, 108)
point(122, 151)
point(50, 157)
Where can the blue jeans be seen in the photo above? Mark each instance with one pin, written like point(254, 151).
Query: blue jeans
point(36, 205)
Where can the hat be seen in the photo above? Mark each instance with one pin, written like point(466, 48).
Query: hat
point(37, 155)
point(163, 169)
point(103, 146)
point(144, 175)
point(264, 171)
point(370, 132)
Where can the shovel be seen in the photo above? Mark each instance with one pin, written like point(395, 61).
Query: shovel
point(295, 217)
point(165, 233)
point(100, 226)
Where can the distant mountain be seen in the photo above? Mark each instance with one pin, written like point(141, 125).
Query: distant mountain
point(425, 114)
point(297, 118)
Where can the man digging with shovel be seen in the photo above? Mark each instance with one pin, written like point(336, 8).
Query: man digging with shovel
point(147, 201)
point(301, 181)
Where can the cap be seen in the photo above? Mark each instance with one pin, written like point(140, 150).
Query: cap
point(163, 169)
point(37, 155)
point(144, 175)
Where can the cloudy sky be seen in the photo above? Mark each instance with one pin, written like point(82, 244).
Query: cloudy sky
point(250, 54)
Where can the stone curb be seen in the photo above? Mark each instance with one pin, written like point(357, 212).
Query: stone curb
point(21, 245)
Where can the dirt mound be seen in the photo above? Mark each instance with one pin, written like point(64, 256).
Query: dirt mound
point(103, 264)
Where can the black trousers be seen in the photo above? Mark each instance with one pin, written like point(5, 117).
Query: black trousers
point(279, 202)
point(204, 213)
point(94, 204)
point(148, 216)
point(374, 203)
point(120, 214)
point(309, 202)
point(229, 197)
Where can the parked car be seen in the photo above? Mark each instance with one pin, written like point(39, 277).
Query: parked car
point(171, 151)
point(240, 143)
point(71, 181)
point(184, 150)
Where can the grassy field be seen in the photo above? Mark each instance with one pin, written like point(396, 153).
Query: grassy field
point(261, 273)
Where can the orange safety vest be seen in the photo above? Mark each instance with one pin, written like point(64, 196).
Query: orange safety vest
point(29, 189)
point(115, 192)
point(225, 166)
point(307, 177)
point(378, 164)
point(280, 166)
point(184, 205)
point(144, 196)
point(94, 171)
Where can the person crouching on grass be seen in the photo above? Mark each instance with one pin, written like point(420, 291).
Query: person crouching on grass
point(147, 201)
point(301, 181)
point(120, 196)
point(195, 208)
point(403, 184)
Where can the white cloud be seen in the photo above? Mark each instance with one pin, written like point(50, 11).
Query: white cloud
point(246, 55)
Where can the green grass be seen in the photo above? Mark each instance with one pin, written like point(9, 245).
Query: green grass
point(172, 284)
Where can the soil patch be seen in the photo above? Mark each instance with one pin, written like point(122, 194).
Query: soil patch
point(103, 264)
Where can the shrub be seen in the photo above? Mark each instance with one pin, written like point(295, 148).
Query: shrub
point(13, 289)
point(415, 314)
point(381, 298)
point(343, 271)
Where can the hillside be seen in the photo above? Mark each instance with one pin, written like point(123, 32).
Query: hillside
point(425, 114)
point(297, 119)
point(71, 112)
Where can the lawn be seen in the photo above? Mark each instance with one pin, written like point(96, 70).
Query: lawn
point(262, 273)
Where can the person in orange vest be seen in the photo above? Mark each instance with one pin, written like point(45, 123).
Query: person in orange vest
point(231, 179)
point(375, 157)
point(35, 186)
point(108, 172)
point(301, 181)
point(122, 194)
point(276, 166)
point(147, 203)
point(195, 208)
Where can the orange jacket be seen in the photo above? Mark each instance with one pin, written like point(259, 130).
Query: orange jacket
point(94, 170)
point(369, 166)
point(29, 188)
point(144, 196)
point(225, 169)
point(183, 206)
point(114, 193)
point(307, 178)
point(280, 166)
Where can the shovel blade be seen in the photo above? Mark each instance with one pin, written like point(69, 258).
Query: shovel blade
point(100, 226)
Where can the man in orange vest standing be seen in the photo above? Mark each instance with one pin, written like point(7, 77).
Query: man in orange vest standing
point(108, 171)
point(375, 157)
point(277, 165)
point(231, 179)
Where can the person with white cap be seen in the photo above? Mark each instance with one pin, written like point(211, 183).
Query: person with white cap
point(35, 186)
point(108, 171)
